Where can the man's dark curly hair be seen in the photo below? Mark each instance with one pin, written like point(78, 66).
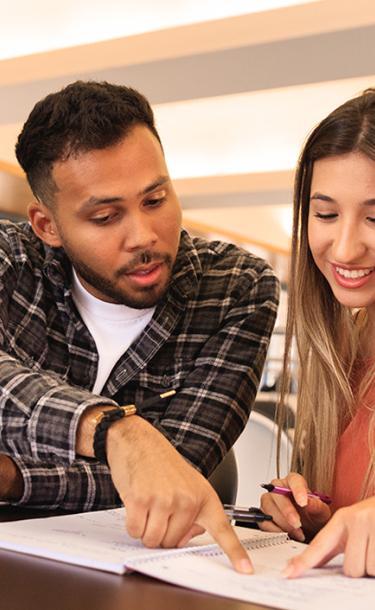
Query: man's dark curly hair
point(81, 117)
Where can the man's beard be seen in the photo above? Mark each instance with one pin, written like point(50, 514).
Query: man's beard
point(144, 297)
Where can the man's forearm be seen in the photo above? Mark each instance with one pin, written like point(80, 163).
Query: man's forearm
point(11, 481)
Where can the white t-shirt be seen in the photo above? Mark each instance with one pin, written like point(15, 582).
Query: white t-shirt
point(113, 327)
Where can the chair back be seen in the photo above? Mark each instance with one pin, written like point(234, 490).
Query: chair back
point(255, 452)
point(224, 479)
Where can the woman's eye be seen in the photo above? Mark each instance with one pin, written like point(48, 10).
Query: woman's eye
point(371, 219)
point(325, 216)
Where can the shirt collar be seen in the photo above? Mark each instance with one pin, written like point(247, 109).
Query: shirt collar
point(57, 266)
point(187, 269)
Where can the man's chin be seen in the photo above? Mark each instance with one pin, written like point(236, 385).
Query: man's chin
point(143, 299)
point(122, 292)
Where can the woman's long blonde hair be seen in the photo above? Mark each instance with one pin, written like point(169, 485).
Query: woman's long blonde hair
point(327, 334)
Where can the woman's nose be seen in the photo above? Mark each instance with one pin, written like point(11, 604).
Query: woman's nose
point(348, 246)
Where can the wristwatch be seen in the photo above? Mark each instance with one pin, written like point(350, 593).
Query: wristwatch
point(102, 422)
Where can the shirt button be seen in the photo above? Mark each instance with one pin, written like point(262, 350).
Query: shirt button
point(165, 381)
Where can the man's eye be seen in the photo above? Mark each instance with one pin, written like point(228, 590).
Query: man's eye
point(102, 220)
point(371, 219)
point(153, 203)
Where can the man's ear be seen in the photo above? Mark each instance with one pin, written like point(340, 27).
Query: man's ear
point(43, 224)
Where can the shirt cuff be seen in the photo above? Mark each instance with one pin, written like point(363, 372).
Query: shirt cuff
point(81, 487)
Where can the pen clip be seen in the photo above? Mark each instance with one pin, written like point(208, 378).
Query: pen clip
point(243, 509)
point(153, 400)
point(243, 514)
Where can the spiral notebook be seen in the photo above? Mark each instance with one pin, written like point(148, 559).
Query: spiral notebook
point(98, 540)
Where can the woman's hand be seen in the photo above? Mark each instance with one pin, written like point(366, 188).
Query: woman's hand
point(301, 516)
point(351, 531)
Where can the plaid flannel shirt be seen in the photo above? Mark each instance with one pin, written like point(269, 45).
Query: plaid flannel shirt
point(207, 340)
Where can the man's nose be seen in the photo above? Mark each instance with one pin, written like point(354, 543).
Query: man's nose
point(140, 233)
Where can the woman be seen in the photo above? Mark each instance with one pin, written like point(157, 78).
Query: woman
point(332, 316)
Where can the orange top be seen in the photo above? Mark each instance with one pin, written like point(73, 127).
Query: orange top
point(352, 460)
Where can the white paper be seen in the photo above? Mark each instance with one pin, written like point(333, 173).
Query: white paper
point(322, 589)
point(98, 540)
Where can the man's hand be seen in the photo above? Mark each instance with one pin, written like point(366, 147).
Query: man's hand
point(11, 481)
point(301, 517)
point(167, 501)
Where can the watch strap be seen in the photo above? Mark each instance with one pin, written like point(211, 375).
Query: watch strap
point(104, 420)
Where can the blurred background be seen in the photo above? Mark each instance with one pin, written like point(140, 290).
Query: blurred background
point(236, 86)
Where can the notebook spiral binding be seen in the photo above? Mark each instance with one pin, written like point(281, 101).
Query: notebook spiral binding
point(212, 550)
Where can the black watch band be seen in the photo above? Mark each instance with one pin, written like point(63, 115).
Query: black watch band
point(103, 421)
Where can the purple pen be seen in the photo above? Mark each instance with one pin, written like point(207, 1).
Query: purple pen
point(284, 491)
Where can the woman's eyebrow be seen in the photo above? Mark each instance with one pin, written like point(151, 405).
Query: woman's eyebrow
point(322, 197)
point(367, 202)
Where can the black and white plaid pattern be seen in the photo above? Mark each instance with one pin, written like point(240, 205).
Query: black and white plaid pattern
point(207, 340)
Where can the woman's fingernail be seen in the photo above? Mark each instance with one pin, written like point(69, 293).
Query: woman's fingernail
point(295, 521)
point(299, 535)
point(301, 500)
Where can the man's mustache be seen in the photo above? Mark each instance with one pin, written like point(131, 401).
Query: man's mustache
point(144, 258)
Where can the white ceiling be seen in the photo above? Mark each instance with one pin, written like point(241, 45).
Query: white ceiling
point(234, 96)
point(42, 26)
point(247, 132)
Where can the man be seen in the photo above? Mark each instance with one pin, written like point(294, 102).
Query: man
point(106, 302)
